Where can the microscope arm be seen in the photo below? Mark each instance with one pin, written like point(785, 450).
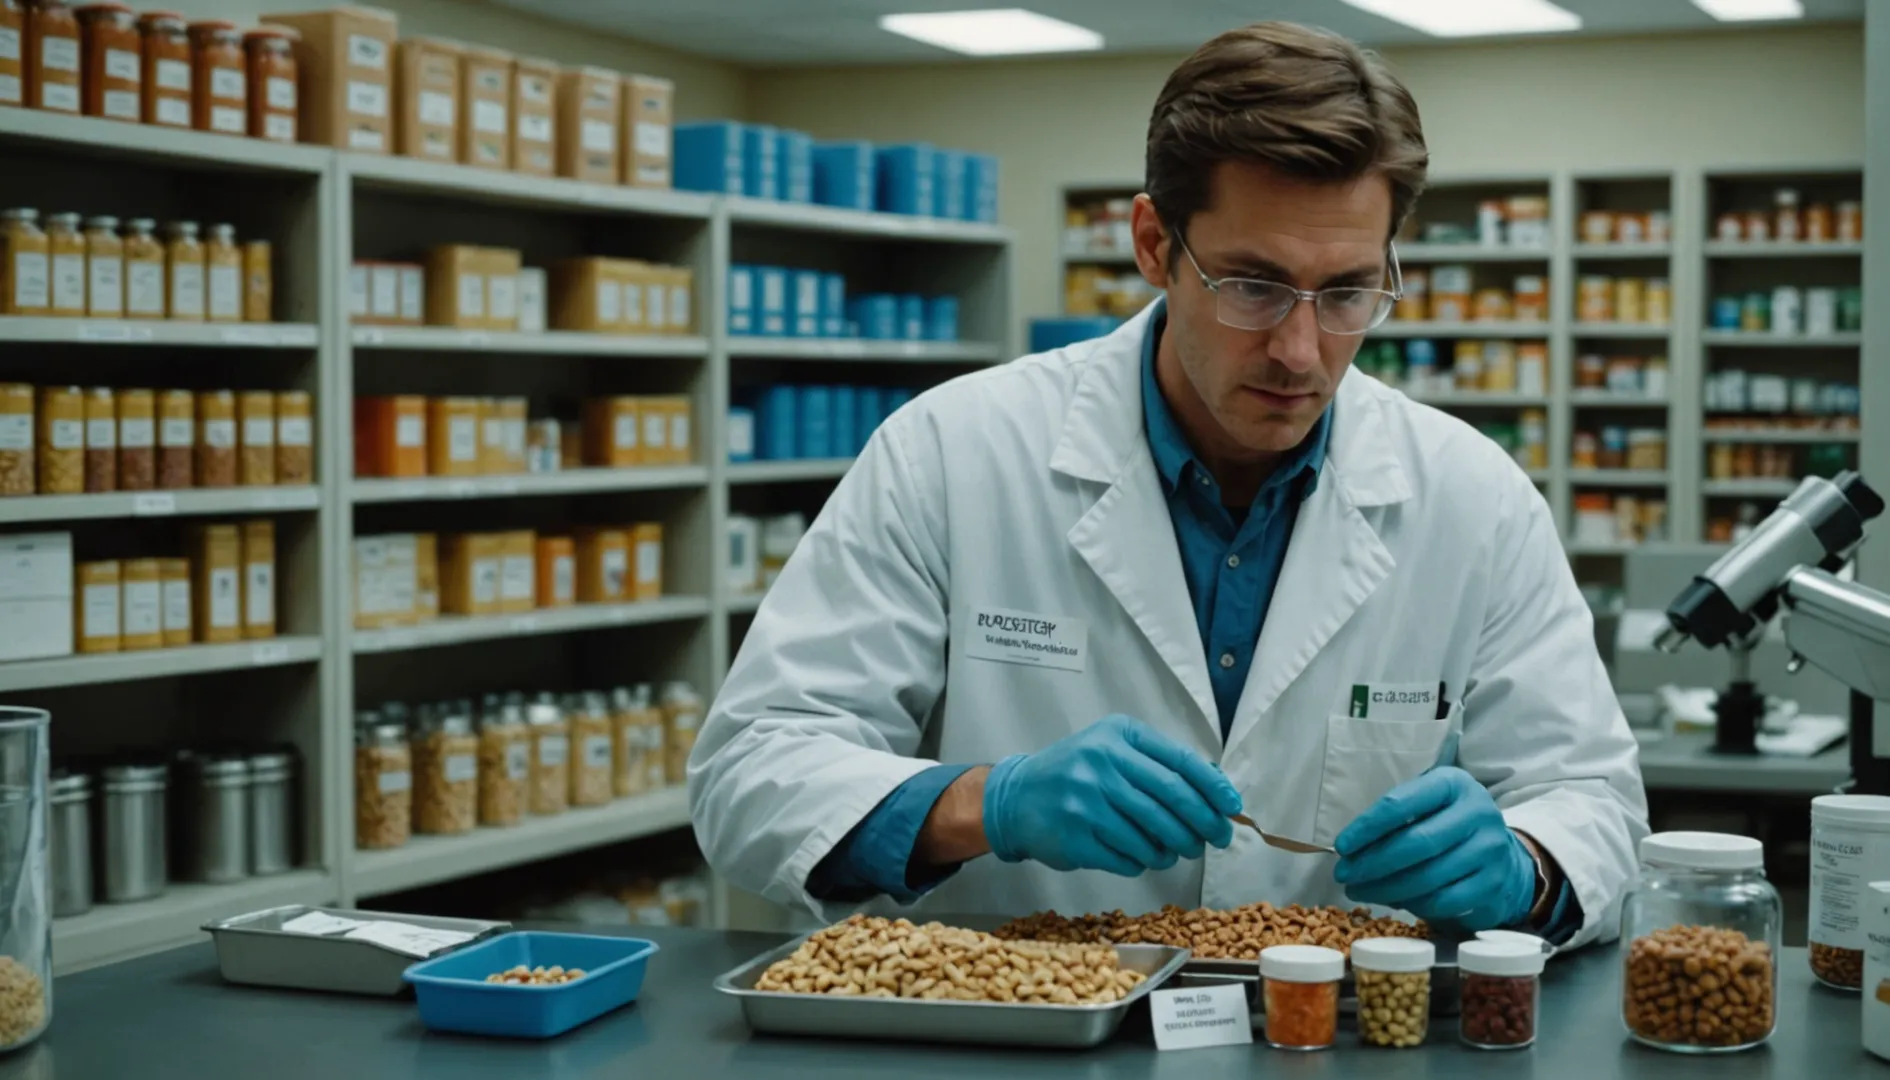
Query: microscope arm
point(1840, 627)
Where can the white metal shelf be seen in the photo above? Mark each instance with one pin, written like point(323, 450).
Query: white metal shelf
point(1597, 550)
point(151, 143)
point(427, 860)
point(1480, 399)
point(387, 172)
point(1527, 330)
point(1765, 339)
point(111, 932)
point(745, 603)
point(937, 352)
point(1624, 331)
point(808, 217)
point(783, 472)
point(524, 485)
point(1645, 250)
point(1618, 477)
point(1755, 488)
point(93, 668)
point(459, 629)
point(1787, 436)
point(1435, 253)
point(548, 343)
point(1779, 249)
point(190, 502)
point(38, 329)
point(1609, 399)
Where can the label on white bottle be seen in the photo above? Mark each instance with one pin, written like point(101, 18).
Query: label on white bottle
point(31, 287)
point(68, 283)
point(226, 292)
point(144, 289)
point(105, 289)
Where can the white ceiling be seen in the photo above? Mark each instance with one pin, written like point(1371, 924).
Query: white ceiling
point(821, 32)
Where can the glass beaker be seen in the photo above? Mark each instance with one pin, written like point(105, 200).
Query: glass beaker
point(25, 889)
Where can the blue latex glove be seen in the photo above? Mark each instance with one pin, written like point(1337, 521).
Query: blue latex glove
point(1116, 796)
point(1438, 847)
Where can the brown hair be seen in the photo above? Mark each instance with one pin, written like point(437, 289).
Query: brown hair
point(1305, 101)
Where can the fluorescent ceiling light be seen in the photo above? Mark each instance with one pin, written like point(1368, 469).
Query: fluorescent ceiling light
point(994, 32)
point(1748, 10)
point(1472, 18)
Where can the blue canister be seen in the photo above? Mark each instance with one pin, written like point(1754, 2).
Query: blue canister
point(844, 174)
point(1420, 360)
point(708, 157)
point(906, 174)
point(981, 188)
point(761, 161)
point(846, 421)
point(816, 422)
point(741, 433)
point(741, 300)
point(771, 288)
point(868, 403)
point(794, 178)
point(912, 317)
point(833, 305)
point(1614, 445)
point(1725, 313)
point(804, 304)
point(878, 316)
point(948, 184)
point(779, 420)
point(941, 318)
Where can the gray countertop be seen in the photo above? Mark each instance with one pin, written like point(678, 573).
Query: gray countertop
point(1687, 763)
point(171, 1015)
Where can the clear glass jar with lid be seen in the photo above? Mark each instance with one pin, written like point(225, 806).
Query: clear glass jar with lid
point(1850, 848)
point(383, 781)
point(591, 760)
point(25, 888)
point(505, 762)
point(551, 756)
point(446, 769)
point(1699, 943)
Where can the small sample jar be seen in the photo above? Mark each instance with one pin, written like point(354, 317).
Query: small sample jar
point(216, 439)
point(61, 447)
point(258, 282)
point(445, 770)
point(101, 440)
point(1850, 848)
point(682, 717)
point(551, 756)
point(25, 264)
point(177, 440)
point(17, 473)
point(295, 439)
point(166, 68)
point(174, 586)
point(183, 272)
point(219, 101)
point(104, 269)
point(1500, 985)
point(1300, 991)
point(112, 65)
point(223, 275)
point(593, 762)
point(146, 296)
point(505, 764)
point(256, 429)
point(630, 773)
point(12, 70)
point(1699, 941)
point(269, 54)
point(51, 53)
point(1393, 977)
point(383, 783)
point(65, 244)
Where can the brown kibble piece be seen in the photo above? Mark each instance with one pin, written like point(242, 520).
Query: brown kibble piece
point(1839, 967)
point(1234, 934)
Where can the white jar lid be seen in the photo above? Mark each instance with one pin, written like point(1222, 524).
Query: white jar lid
point(1703, 851)
point(1392, 954)
point(1869, 811)
point(1517, 937)
point(1302, 963)
point(1500, 958)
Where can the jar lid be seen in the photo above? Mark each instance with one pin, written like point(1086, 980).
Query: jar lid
point(68, 217)
point(1869, 811)
point(544, 712)
point(1302, 963)
point(20, 213)
point(101, 221)
point(1703, 851)
point(1517, 937)
point(70, 784)
point(212, 25)
point(135, 773)
point(142, 224)
point(1500, 958)
point(272, 760)
point(262, 32)
point(1393, 954)
point(115, 9)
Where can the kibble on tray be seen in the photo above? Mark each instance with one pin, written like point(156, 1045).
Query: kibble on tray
point(1236, 934)
point(538, 976)
point(882, 958)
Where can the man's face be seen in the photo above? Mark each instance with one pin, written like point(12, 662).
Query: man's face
point(1266, 388)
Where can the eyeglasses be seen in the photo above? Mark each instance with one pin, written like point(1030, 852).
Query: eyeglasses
point(1252, 304)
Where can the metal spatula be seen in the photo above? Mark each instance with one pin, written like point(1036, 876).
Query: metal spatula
point(1298, 847)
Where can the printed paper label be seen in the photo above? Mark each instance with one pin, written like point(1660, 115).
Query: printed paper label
point(472, 296)
point(137, 433)
point(227, 83)
point(16, 432)
point(367, 52)
point(227, 119)
point(503, 292)
point(223, 598)
point(607, 302)
point(462, 439)
point(278, 127)
point(226, 292)
point(318, 923)
point(1028, 638)
point(173, 112)
point(518, 759)
point(597, 751)
point(68, 282)
point(461, 767)
point(1200, 1016)
point(280, 93)
point(178, 432)
point(516, 578)
point(121, 104)
point(177, 607)
point(9, 43)
point(485, 582)
point(101, 611)
point(144, 289)
point(392, 782)
point(367, 99)
point(59, 53)
point(553, 749)
point(436, 108)
point(259, 431)
point(489, 117)
point(31, 288)
point(533, 127)
point(564, 579)
point(144, 608)
point(187, 291)
point(650, 562)
point(67, 434)
point(172, 75)
point(410, 432)
point(101, 434)
point(598, 136)
point(106, 286)
point(616, 563)
point(624, 432)
point(219, 434)
point(58, 97)
point(293, 431)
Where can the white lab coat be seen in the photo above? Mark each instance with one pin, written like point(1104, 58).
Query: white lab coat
point(1423, 554)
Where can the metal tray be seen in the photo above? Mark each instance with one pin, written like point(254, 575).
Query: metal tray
point(992, 1023)
point(254, 949)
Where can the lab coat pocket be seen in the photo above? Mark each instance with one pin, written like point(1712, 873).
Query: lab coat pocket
point(1365, 759)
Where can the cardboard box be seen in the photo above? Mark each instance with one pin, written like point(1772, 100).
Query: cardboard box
point(556, 568)
point(613, 432)
point(141, 607)
point(453, 436)
point(534, 147)
point(646, 540)
point(514, 413)
point(533, 313)
point(500, 267)
point(491, 437)
point(427, 87)
point(345, 59)
point(588, 117)
point(384, 580)
point(485, 106)
point(383, 293)
point(647, 123)
point(95, 606)
point(456, 287)
point(603, 566)
point(518, 576)
point(390, 436)
point(587, 294)
point(469, 573)
point(413, 294)
point(217, 586)
point(259, 578)
point(36, 595)
point(426, 577)
point(174, 580)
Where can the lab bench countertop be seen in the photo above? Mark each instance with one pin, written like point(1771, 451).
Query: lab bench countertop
point(1686, 762)
point(172, 1015)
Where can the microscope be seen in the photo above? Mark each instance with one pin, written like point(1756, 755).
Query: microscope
point(1789, 565)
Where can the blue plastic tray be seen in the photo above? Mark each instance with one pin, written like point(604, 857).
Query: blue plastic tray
point(454, 995)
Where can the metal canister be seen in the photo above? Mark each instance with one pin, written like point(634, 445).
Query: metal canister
point(272, 812)
point(71, 842)
point(212, 828)
point(1613, 453)
point(1726, 313)
point(130, 832)
point(1788, 310)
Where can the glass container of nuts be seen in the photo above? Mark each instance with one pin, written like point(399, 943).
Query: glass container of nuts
point(505, 762)
point(383, 782)
point(1850, 847)
point(1699, 941)
point(591, 773)
point(1300, 991)
point(1393, 978)
point(551, 756)
point(1499, 984)
point(445, 770)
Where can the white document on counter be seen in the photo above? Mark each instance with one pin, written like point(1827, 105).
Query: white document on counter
point(1201, 1016)
point(418, 941)
point(320, 924)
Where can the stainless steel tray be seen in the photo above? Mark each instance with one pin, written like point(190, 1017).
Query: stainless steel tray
point(255, 950)
point(990, 1023)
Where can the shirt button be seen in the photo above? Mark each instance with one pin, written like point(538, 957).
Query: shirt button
point(1206, 482)
point(1233, 561)
point(1227, 660)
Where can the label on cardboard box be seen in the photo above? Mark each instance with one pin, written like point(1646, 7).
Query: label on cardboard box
point(472, 295)
point(616, 564)
point(650, 561)
point(261, 594)
point(607, 311)
point(652, 140)
point(533, 127)
point(367, 99)
point(489, 117)
point(624, 431)
point(516, 578)
point(413, 295)
point(656, 316)
point(655, 431)
point(436, 108)
point(679, 432)
point(504, 296)
point(485, 582)
point(462, 438)
point(223, 598)
point(367, 52)
point(384, 292)
point(597, 136)
point(410, 432)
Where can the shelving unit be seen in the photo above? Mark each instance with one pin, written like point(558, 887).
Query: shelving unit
point(548, 343)
point(531, 485)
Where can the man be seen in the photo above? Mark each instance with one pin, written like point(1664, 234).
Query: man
point(1132, 587)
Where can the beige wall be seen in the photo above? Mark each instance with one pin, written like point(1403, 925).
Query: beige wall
point(1755, 97)
point(704, 88)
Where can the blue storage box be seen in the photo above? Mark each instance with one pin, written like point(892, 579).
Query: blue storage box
point(778, 421)
point(804, 304)
point(906, 173)
point(912, 317)
point(981, 188)
point(833, 305)
point(948, 184)
point(795, 168)
point(868, 403)
point(741, 300)
point(772, 301)
point(741, 433)
point(878, 316)
point(892, 401)
point(709, 157)
point(846, 422)
point(1059, 330)
point(941, 318)
point(816, 422)
point(844, 174)
point(761, 161)
point(453, 993)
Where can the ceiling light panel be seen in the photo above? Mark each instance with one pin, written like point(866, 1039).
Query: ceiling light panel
point(1751, 10)
point(993, 32)
point(1474, 18)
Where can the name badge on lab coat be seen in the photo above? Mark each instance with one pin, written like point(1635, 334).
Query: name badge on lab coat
point(1394, 701)
point(1028, 638)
